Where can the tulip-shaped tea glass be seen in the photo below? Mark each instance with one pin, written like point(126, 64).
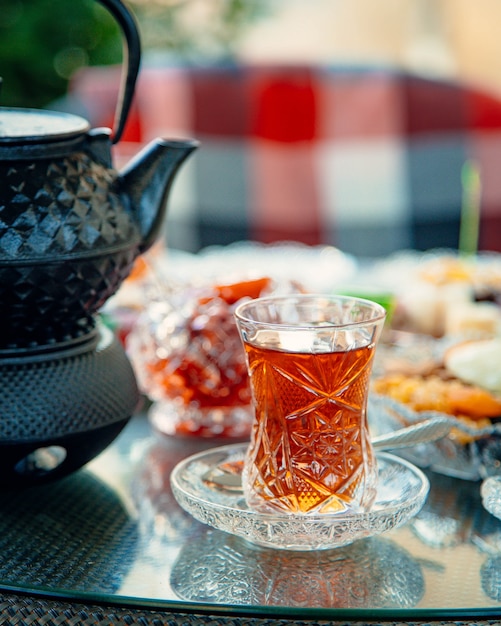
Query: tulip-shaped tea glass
point(309, 360)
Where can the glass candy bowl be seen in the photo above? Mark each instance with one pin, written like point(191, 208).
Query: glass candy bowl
point(189, 360)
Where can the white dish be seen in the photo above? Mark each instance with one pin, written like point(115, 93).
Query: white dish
point(316, 268)
point(402, 490)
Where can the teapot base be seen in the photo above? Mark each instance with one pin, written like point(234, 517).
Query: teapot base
point(61, 406)
point(29, 335)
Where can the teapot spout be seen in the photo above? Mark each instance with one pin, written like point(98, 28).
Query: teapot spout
point(146, 181)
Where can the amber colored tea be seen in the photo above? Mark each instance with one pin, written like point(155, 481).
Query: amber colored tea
point(310, 448)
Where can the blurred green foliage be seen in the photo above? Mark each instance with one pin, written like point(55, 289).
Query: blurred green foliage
point(42, 42)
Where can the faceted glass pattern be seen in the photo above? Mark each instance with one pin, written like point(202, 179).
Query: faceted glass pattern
point(309, 361)
point(189, 360)
point(400, 494)
point(311, 448)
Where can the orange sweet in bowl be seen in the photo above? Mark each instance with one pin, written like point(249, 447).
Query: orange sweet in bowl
point(190, 361)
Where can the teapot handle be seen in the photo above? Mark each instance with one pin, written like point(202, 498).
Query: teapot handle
point(132, 59)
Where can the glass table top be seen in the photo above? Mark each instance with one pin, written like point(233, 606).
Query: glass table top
point(113, 531)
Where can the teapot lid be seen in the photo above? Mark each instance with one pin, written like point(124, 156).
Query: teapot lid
point(22, 126)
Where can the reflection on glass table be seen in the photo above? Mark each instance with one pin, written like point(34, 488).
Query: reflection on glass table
point(373, 572)
point(113, 532)
point(72, 534)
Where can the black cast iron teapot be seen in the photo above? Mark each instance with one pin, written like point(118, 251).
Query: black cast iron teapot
point(70, 225)
point(70, 229)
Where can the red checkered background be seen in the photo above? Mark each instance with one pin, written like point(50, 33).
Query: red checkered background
point(366, 159)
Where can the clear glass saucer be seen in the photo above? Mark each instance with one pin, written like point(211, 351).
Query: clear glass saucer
point(207, 485)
